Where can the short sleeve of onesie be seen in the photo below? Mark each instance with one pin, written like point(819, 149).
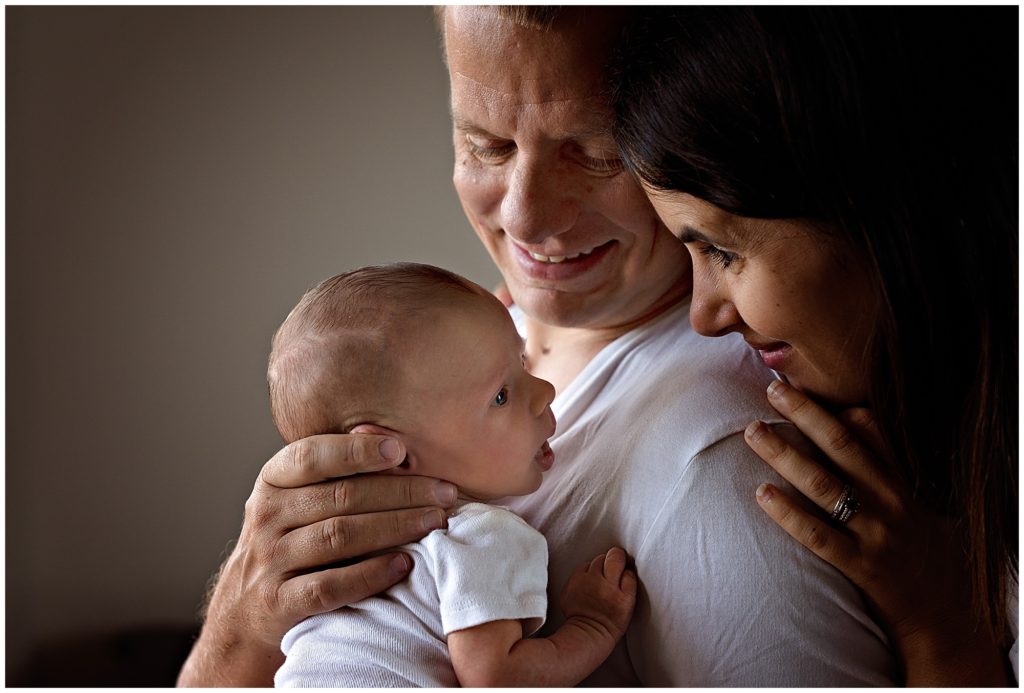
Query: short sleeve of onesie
point(489, 566)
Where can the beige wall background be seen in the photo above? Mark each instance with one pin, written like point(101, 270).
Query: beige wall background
point(176, 177)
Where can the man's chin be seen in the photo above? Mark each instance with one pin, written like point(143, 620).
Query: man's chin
point(550, 307)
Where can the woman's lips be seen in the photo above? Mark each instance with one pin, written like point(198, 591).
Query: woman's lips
point(559, 267)
point(775, 355)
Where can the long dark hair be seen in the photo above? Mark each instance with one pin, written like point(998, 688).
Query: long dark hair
point(896, 130)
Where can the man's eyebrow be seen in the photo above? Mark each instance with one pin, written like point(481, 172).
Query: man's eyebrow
point(461, 124)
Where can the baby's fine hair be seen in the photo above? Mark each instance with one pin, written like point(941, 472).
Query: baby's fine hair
point(336, 357)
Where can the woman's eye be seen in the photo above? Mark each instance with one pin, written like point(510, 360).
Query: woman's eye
point(602, 165)
point(722, 257)
point(501, 399)
point(489, 150)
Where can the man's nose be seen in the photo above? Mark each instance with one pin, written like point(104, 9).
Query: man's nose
point(541, 200)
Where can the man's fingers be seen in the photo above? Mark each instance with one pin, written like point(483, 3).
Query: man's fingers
point(341, 538)
point(363, 494)
point(318, 458)
point(818, 536)
point(316, 593)
point(809, 477)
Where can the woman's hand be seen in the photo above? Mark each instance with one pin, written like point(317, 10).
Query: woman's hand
point(903, 557)
point(307, 510)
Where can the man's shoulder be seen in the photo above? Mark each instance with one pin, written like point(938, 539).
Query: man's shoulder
point(675, 374)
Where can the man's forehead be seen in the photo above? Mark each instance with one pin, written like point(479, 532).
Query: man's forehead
point(597, 127)
point(492, 57)
point(517, 89)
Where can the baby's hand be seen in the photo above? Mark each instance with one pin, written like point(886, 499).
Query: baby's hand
point(602, 593)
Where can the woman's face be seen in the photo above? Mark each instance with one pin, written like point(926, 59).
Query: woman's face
point(806, 307)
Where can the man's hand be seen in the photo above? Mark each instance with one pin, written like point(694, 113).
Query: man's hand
point(309, 510)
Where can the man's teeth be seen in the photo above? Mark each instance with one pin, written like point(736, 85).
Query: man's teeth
point(555, 259)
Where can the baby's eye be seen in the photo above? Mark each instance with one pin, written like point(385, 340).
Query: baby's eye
point(501, 399)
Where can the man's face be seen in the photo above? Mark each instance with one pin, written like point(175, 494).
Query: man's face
point(539, 175)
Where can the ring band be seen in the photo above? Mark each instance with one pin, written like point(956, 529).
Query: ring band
point(846, 506)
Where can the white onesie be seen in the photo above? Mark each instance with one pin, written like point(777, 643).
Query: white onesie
point(489, 565)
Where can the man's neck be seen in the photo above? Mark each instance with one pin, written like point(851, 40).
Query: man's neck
point(559, 354)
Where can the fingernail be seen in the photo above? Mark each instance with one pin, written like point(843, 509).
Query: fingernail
point(400, 565)
point(445, 493)
point(433, 519)
point(764, 493)
point(754, 430)
point(390, 450)
point(776, 388)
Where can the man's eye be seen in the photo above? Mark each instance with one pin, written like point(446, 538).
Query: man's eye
point(489, 150)
point(501, 399)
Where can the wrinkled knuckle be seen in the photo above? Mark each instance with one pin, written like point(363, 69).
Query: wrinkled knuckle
point(335, 534)
point(259, 512)
point(408, 493)
point(838, 437)
point(798, 402)
point(301, 457)
point(820, 484)
point(273, 597)
point(813, 538)
point(784, 514)
point(343, 495)
point(403, 524)
point(320, 594)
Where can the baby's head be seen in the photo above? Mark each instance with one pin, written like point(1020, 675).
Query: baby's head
point(419, 353)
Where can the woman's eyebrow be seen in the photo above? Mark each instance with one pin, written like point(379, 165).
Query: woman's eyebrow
point(690, 234)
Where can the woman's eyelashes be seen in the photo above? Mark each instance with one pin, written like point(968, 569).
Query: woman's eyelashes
point(601, 165)
point(722, 257)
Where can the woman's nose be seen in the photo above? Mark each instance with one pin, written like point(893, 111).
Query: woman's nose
point(541, 200)
point(712, 312)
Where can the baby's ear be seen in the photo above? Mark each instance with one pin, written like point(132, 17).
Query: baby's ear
point(374, 429)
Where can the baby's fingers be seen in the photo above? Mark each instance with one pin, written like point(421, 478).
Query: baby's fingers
point(825, 541)
point(614, 564)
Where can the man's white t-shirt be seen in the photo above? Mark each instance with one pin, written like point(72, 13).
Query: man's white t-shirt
point(650, 456)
